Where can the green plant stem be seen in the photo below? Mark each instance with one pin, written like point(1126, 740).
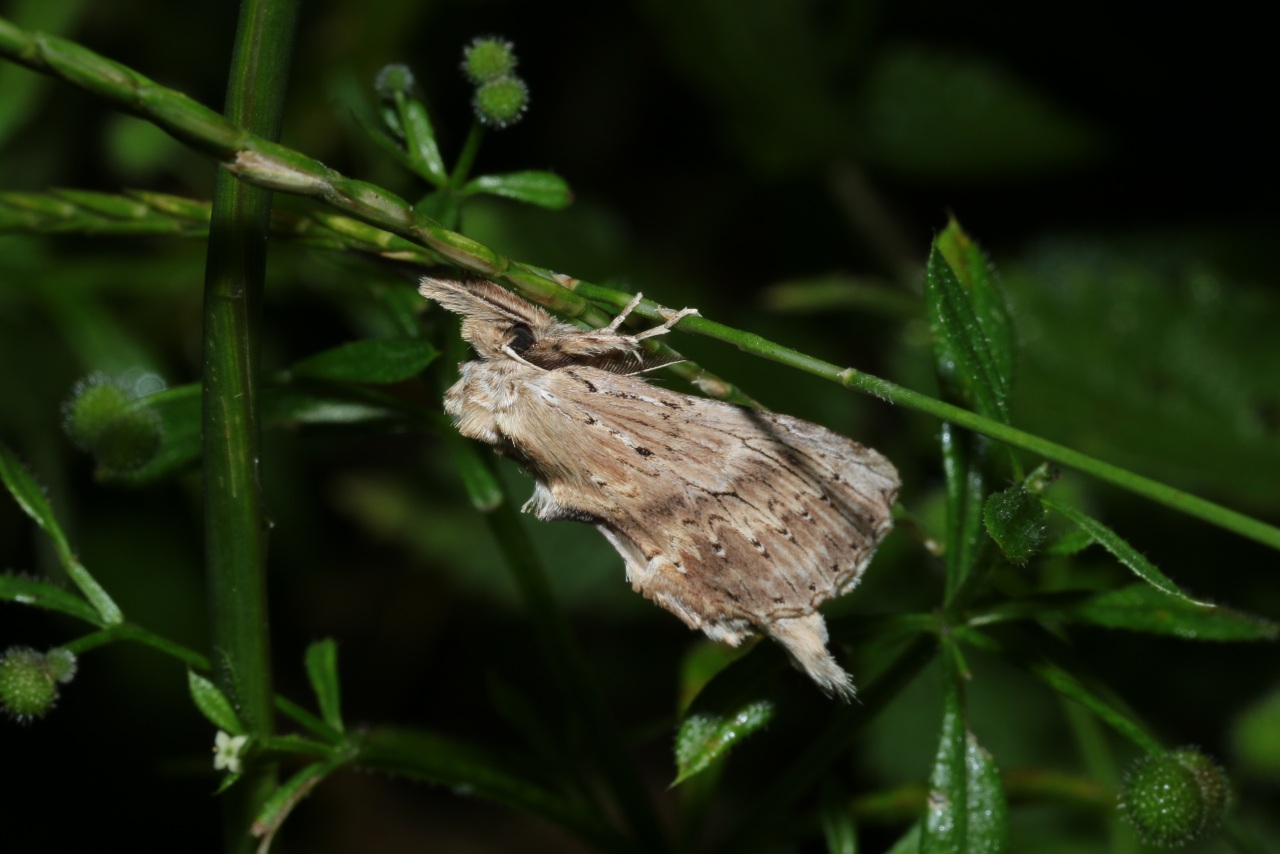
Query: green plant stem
point(266, 164)
point(234, 519)
point(467, 157)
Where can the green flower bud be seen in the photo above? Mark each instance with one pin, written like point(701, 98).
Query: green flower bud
point(500, 103)
point(393, 79)
point(1174, 798)
point(488, 58)
point(95, 402)
point(129, 442)
point(28, 684)
point(62, 664)
point(102, 417)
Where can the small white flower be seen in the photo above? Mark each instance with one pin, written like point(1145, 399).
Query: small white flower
point(226, 751)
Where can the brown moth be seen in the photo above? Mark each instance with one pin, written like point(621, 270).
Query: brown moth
point(736, 520)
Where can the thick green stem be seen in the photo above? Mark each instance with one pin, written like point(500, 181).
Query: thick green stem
point(234, 520)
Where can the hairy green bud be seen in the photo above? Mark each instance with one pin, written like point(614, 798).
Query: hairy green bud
point(392, 79)
point(95, 402)
point(1175, 798)
point(29, 681)
point(501, 102)
point(103, 418)
point(488, 58)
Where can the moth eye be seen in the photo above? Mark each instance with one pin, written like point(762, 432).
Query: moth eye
point(521, 337)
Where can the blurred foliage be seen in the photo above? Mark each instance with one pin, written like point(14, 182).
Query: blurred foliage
point(781, 165)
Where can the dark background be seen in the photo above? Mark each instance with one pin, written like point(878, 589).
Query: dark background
point(1117, 164)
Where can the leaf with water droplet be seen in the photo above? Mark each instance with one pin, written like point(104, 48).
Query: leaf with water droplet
point(705, 738)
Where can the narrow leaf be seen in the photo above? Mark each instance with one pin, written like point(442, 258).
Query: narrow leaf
point(965, 357)
point(1123, 552)
point(1015, 520)
point(836, 818)
point(33, 502)
point(1139, 608)
point(373, 360)
point(964, 463)
point(946, 816)
point(1074, 541)
point(1142, 608)
point(478, 476)
point(322, 671)
point(978, 278)
point(179, 411)
point(966, 811)
point(705, 738)
point(420, 139)
point(988, 809)
point(213, 704)
point(475, 770)
point(289, 794)
point(42, 594)
point(284, 407)
point(545, 189)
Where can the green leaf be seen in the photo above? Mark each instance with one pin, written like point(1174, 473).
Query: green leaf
point(705, 738)
point(909, 842)
point(373, 360)
point(1122, 551)
point(322, 671)
point(972, 341)
point(33, 502)
point(306, 719)
point(389, 146)
point(545, 189)
point(179, 411)
point(420, 139)
point(945, 821)
point(476, 469)
point(523, 716)
point(1255, 737)
point(836, 818)
point(434, 758)
point(42, 594)
point(443, 205)
point(978, 277)
point(1140, 608)
point(213, 704)
point(285, 407)
point(988, 809)
point(964, 466)
point(289, 794)
point(966, 810)
point(292, 745)
point(1072, 542)
point(1015, 520)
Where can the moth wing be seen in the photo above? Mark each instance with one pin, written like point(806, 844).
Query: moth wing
point(734, 519)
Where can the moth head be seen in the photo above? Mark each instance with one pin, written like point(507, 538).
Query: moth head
point(495, 321)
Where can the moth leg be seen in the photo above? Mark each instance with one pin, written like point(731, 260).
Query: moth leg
point(673, 318)
point(622, 315)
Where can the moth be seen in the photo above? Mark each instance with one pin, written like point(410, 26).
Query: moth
point(736, 520)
